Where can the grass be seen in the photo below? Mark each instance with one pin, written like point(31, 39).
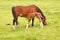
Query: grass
point(50, 8)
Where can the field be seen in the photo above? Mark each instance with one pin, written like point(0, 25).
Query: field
point(50, 8)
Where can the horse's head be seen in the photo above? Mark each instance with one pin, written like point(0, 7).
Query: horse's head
point(43, 20)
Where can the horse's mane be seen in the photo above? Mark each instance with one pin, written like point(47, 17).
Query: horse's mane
point(38, 10)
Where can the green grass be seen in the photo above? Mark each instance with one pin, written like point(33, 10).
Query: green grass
point(50, 8)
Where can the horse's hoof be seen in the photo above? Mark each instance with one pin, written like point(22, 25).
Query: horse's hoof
point(13, 27)
point(41, 24)
point(26, 27)
point(17, 26)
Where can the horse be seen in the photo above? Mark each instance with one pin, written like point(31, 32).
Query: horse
point(27, 12)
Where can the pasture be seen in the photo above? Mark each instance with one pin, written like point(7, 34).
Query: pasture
point(50, 8)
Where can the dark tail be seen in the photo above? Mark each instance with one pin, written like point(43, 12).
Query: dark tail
point(14, 15)
point(13, 12)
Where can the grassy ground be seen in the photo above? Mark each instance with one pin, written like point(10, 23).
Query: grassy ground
point(50, 8)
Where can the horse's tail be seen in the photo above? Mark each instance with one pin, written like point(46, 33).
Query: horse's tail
point(13, 12)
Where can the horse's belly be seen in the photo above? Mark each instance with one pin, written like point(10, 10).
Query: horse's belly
point(20, 15)
point(23, 15)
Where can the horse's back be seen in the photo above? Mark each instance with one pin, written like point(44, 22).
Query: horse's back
point(25, 9)
point(28, 8)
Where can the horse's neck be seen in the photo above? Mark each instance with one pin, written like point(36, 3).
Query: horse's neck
point(41, 15)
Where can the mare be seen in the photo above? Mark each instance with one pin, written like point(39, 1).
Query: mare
point(28, 12)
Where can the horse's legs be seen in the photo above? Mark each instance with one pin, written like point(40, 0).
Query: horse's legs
point(28, 23)
point(15, 21)
point(40, 20)
point(13, 24)
point(32, 21)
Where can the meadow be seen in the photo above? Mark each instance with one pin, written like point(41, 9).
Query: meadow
point(50, 8)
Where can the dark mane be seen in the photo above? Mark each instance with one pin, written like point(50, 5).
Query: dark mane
point(39, 10)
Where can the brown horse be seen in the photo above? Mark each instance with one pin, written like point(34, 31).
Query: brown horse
point(29, 12)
